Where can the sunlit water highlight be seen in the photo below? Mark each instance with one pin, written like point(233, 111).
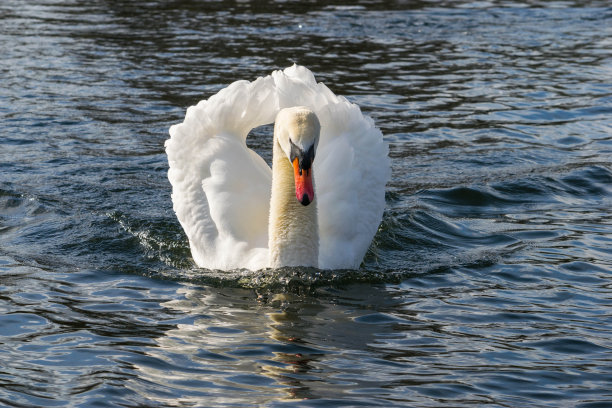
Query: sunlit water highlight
point(488, 283)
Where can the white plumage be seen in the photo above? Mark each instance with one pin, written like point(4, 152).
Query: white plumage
point(221, 189)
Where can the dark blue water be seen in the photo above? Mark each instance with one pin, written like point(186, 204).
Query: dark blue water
point(489, 282)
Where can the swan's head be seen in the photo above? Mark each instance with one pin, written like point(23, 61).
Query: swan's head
point(297, 131)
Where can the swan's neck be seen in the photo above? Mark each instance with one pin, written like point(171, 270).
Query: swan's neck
point(293, 228)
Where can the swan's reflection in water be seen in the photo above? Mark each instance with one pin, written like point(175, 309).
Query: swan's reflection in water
point(234, 343)
point(288, 327)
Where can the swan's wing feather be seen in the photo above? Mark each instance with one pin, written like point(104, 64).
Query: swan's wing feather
point(353, 165)
point(220, 188)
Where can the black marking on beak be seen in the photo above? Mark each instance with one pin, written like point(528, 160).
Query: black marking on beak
point(305, 159)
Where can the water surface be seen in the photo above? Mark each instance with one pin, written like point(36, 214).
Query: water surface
point(488, 284)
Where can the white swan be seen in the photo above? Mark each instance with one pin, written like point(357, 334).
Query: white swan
point(235, 212)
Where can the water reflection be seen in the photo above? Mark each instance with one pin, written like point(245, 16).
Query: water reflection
point(285, 326)
point(274, 345)
point(213, 357)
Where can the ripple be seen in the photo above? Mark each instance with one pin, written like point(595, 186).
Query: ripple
point(488, 280)
point(20, 323)
point(569, 346)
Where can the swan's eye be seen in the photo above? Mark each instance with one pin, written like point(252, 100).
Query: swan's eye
point(295, 152)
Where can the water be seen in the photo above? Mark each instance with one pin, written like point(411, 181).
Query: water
point(489, 282)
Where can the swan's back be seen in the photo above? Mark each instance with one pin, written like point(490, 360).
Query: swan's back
point(221, 189)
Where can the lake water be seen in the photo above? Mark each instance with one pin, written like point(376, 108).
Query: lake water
point(488, 284)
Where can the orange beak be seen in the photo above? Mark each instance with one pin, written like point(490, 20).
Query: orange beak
point(304, 190)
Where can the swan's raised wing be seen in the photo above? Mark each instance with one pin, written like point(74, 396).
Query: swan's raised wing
point(220, 188)
point(351, 170)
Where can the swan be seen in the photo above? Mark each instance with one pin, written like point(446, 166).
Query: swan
point(319, 205)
